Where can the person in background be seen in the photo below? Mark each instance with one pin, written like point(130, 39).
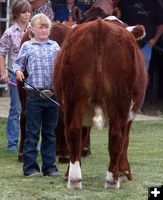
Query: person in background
point(100, 9)
point(161, 3)
point(147, 13)
point(37, 57)
point(42, 6)
point(150, 15)
point(65, 12)
point(10, 44)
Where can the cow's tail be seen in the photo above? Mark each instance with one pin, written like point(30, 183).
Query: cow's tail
point(98, 119)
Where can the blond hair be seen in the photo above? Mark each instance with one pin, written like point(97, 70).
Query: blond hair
point(40, 19)
point(19, 6)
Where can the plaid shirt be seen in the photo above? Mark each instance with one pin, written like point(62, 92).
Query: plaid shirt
point(38, 60)
point(10, 41)
point(45, 8)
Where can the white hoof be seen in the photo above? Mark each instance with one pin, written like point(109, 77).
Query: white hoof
point(110, 183)
point(75, 176)
point(74, 184)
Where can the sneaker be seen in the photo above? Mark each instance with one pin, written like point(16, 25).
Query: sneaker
point(55, 173)
point(12, 150)
point(34, 173)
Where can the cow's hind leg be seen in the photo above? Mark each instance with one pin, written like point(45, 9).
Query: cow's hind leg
point(62, 152)
point(22, 135)
point(116, 144)
point(86, 148)
point(124, 166)
point(73, 120)
point(22, 96)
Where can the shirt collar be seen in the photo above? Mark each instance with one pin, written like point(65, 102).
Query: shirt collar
point(34, 41)
point(17, 27)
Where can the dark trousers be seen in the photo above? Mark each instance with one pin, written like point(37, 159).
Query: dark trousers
point(41, 116)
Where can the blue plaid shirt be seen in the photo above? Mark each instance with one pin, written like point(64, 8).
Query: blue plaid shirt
point(38, 60)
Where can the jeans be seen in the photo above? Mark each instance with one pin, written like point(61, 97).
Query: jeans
point(41, 115)
point(12, 130)
point(147, 53)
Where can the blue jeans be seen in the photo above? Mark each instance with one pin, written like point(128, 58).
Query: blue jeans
point(12, 130)
point(147, 53)
point(41, 114)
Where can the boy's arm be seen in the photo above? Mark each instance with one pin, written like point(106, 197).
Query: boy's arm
point(21, 62)
point(19, 75)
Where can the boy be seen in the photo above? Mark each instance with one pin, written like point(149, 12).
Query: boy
point(37, 57)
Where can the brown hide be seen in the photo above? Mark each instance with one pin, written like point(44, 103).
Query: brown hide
point(58, 33)
point(100, 65)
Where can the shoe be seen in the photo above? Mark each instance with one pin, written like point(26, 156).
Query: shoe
point(55, 173)
point(12, 150)
point(34, 173)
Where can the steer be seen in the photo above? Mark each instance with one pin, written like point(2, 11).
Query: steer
point(100, 79)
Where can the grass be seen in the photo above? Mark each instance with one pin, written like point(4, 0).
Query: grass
point(145, 155)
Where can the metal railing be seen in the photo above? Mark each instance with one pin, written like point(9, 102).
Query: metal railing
point(6, 20)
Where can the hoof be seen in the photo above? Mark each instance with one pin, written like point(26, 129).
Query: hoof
point(74, 184)
point(75, 176)
point(124, 177)
point(63, 159)
point(110, 182)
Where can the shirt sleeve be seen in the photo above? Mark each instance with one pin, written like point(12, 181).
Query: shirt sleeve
point(57, 47)
point(5, 43)
point(22, 59)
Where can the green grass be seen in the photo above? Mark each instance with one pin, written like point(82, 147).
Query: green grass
point(145, 155)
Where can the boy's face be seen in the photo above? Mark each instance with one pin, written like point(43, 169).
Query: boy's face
point(41, 32)
point(24, 17)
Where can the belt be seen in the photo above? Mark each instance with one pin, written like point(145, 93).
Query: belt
point(46, 92)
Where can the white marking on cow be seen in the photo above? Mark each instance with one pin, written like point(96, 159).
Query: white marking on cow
point(110, 183)
point(75, 176)
point(132, 114)
point(131, 29)
point(98, 119)
point(74, 25)
point(112, 18)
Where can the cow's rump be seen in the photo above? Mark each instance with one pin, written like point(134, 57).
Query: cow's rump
point(99, 63)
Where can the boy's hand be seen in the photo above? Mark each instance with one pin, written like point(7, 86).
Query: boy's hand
point(19, 75)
